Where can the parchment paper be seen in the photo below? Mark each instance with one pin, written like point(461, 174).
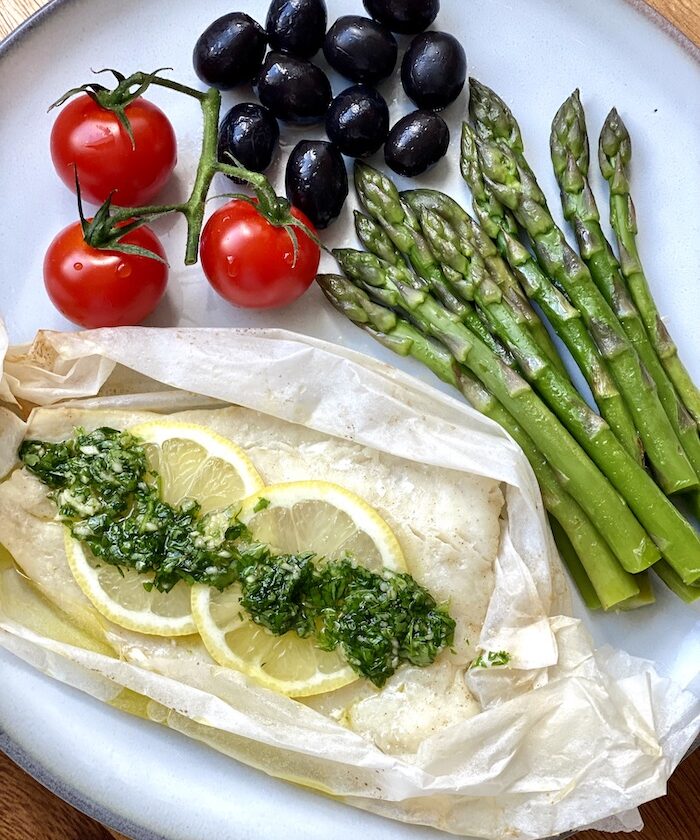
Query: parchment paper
point(567, 735)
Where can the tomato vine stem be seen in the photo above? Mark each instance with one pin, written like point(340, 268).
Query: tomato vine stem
point(114, 222)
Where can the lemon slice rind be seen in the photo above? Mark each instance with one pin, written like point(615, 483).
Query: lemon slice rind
point(142, 621)
point(221, 653)
point(158, 432)
point(288, 493)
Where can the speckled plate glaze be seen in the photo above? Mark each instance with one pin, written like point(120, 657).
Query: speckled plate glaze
point(142, 779)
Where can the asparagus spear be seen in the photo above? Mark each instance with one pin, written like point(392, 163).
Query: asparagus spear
point(509, 176)
point(570, 156)
point(381, 200)
point(676, 539)
point(557, 391)
point(375, 240)
point(573, 563)
point(494, 217)
point(396, 287)
point(563, 316)
point(646, 593)
point(614, 155)
point(469, 285)
point(687, 593)
point(608, 583)
point(464, 287)
point(566, 320)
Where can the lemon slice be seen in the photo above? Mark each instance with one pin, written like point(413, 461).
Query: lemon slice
point(301, 516)
point(193, 463)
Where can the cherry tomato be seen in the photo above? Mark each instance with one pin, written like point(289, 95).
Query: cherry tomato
point(95, 288)
point(91, 138)
point(251, 262)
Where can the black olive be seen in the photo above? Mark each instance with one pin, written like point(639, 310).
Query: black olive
point(316, 181)
point(405, 16)
point(229, 51)
point(248, 135)
point(358, 121)
point(296, 27)
point(416, 142)
point(360, 49)
point(295, 90)
point(433, 70)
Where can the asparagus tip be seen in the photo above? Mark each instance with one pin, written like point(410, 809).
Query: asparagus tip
point(615, 142)
point(477, 87)
point(328, 281)
point(568, 143)
point(344, 297)
point(615, 126)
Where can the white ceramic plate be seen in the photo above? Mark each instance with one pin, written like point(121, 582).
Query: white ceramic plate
point(143, 779)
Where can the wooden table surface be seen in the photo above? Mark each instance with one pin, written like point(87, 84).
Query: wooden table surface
point(29, 812)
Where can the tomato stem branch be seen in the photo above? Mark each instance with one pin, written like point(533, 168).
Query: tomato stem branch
point(275, 208)
point(176, 86)
point(194, 212)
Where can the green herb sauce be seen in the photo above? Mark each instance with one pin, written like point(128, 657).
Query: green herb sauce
point(110, 500)
point(492, 659)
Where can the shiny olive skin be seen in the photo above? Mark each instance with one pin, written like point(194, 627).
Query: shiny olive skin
point(360, 49)
point(297, 27)
point(433, 70)
point(358, 121)
point(229, 51)
point(405, 16)
point(295, 90)
point(416, 143)
point(249, 135)
point(316, 181)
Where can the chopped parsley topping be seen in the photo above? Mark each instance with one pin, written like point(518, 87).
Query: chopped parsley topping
point(110, 499)
point(491, 659)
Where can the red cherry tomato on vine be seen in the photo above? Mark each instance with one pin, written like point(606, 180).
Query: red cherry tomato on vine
point(95, 288)
point(251, 262)
point(91, 138)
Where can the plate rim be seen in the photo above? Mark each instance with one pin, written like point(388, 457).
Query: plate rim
point(14, 751)
point(70, 795)
point(641, 6)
